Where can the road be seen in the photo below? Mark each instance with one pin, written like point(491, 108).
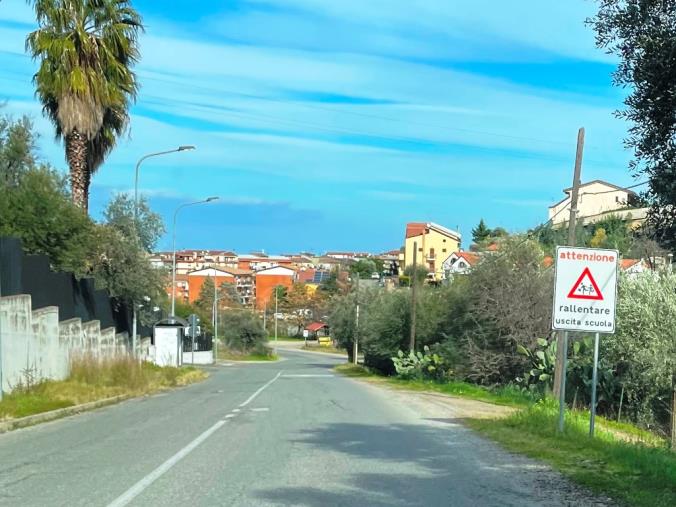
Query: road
point(284, 433)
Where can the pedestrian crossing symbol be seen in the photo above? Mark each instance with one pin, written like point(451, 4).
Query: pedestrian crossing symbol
point(586, 287)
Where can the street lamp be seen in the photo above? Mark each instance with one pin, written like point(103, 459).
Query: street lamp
point(173, 266)
point(186, 147)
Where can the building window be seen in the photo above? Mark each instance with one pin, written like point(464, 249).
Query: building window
point(420, 250)
point(444, 240)
point(443, 250)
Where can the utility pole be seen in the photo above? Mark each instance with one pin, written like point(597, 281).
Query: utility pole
point(355, 344)
point(265, 314)
point(215, 344)
point(413, 295)
point(276, 301)
point(562, 336)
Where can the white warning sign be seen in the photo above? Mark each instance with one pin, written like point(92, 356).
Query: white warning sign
point(585, 289)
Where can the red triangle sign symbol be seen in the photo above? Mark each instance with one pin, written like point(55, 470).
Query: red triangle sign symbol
point(583, 290)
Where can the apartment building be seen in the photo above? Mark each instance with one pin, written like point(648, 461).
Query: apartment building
point(268, 279)
point(434, 244)
point(597, 200)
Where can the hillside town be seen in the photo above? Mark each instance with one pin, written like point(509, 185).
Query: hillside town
point(338, 253)
point(439, 253)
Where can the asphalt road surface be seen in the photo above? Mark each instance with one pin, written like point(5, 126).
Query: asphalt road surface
point(286, 433)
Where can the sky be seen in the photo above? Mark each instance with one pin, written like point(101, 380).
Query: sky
point(326, 125)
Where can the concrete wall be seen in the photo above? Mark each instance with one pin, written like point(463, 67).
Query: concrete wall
point(200, 357)
point(35, 346)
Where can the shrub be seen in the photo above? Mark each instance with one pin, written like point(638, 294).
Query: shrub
point(419, 365)
point(242, 330)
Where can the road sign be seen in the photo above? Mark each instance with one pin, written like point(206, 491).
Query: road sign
point(585, 289)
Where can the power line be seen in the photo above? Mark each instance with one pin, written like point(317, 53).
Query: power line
point(358, 113)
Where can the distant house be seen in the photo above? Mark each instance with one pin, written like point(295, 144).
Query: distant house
point(434, 243)
point(460, 263)
point(598, 200)
point(317, 329)
point(633, 267)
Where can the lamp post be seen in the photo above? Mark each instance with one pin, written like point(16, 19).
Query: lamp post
point(138, 166)
point(173, 264)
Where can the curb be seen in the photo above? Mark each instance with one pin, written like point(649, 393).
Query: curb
point(31, 420)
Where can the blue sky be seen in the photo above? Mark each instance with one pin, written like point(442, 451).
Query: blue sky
point(327, 125)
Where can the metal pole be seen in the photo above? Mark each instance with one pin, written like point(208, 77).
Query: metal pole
point(213, 318)
point(562, 386)
point(413, 295)
point(355, 350)
point(276, 295)
point(592, 411)
point(173, 242)
point(133, 331)
point(173, 267)
point(138, 166)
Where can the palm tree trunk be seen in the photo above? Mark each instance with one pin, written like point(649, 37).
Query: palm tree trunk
point(80, 177)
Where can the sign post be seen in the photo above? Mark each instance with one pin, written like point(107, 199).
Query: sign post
point(585, 293)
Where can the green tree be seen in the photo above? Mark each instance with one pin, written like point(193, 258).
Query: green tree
point(418, 272)
point(85, 49)
point(641, 33)
point(243, 331)
point(121, 267)
point(481, 232)
point(642, 351)
point(39, 212)
point(17, 149)
point(120, 214)
point(363, 268)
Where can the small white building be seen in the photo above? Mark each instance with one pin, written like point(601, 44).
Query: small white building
point(597, 200)
point(460, 263)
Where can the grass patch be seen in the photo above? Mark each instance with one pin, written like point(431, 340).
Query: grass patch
point(259, 354)
point(92, 380)
point(508, 395)
point(642, 474)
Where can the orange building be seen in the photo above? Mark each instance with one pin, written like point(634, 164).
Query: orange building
point(268, 279)
point(197, 278)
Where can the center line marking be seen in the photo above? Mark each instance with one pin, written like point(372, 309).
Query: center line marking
point(260, 390)
point(141, 485)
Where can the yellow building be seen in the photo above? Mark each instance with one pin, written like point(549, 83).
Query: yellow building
point(435, 244)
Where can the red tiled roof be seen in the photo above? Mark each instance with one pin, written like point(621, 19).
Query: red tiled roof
point(627, 263)
point(470, 257)
point(415, 229)
point(315, 326)
point(306, 276)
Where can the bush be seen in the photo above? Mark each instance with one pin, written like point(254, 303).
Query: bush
point(242, 330)
point(419, 365)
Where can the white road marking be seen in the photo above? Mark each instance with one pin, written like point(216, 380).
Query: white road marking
point(260, 390)
point(305, 375)
point(261, 409)
point(235, 410)
point(230, 415)
point(141, 485)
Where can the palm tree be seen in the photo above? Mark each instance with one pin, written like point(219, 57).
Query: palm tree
point(86, 49)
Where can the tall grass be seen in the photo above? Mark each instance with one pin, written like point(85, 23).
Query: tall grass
point(642, 473)
point(93, 378)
